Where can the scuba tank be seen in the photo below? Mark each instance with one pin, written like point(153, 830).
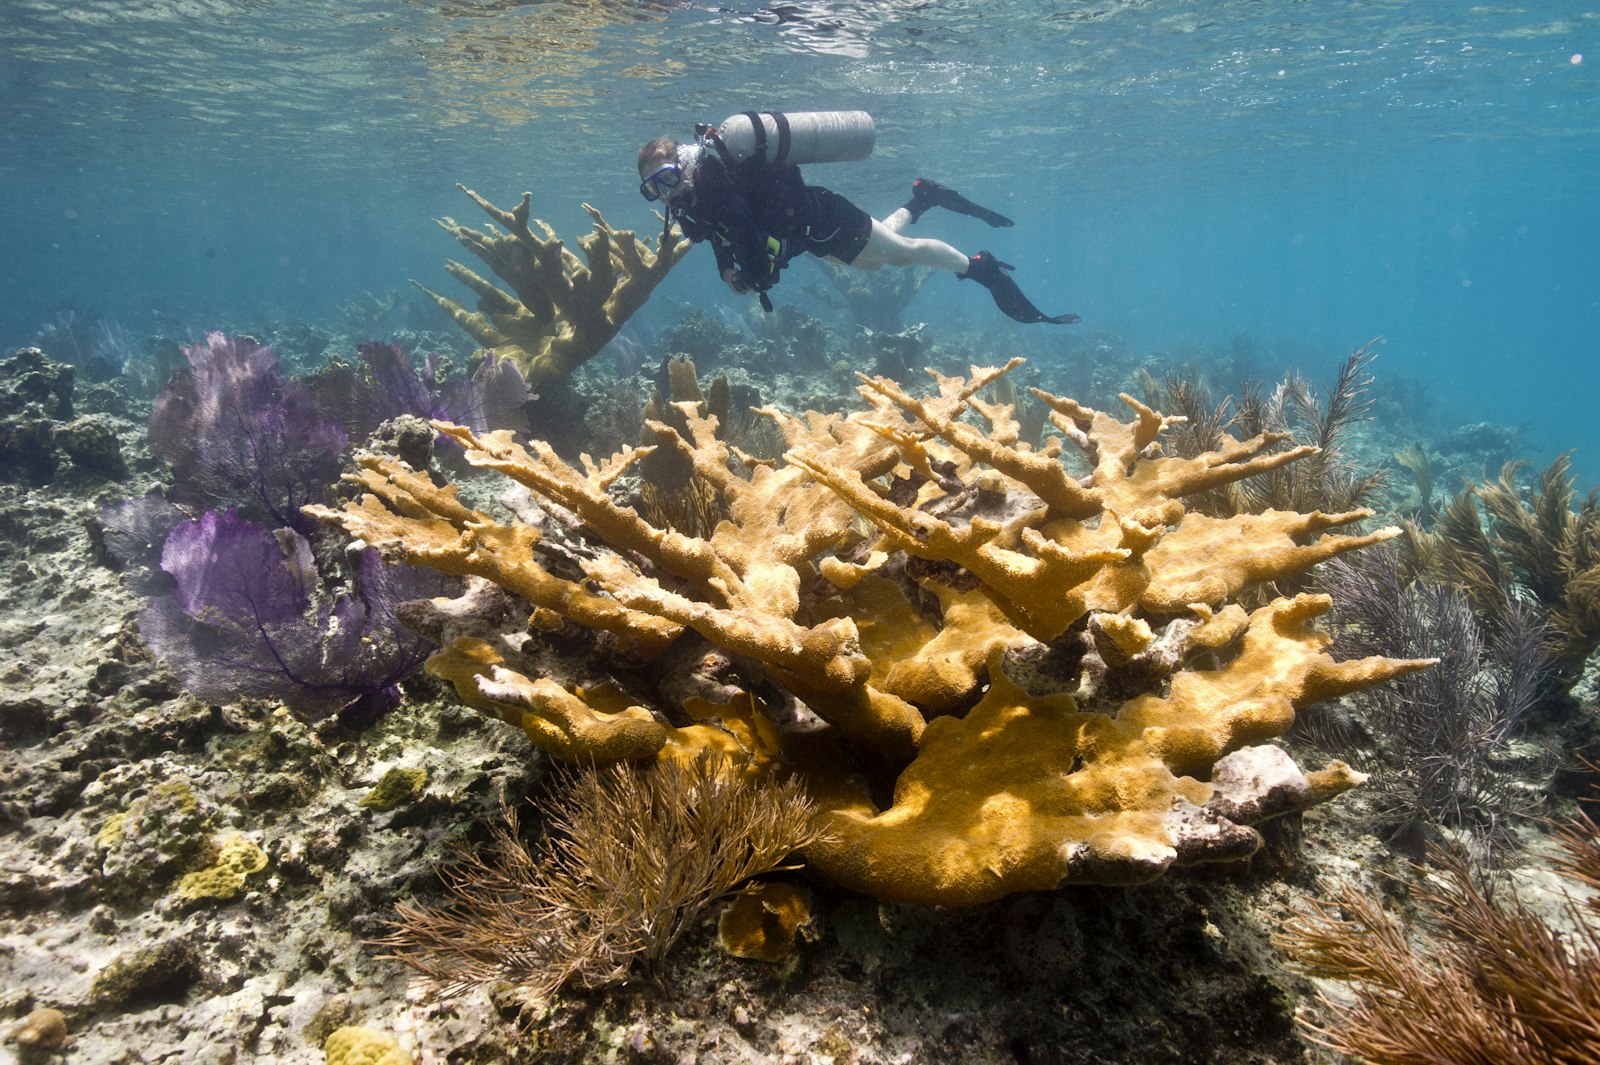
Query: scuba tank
point(781, 138)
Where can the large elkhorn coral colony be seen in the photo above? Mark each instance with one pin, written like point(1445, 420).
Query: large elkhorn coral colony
point(989, 673)
point(561, 310)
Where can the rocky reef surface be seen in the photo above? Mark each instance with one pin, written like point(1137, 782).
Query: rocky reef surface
point(201, 883)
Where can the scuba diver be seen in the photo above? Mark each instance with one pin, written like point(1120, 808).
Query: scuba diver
point(758, 212)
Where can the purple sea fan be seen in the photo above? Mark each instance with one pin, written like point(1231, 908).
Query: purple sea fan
point(132, 533)
point(250, 616)
point(239, 433)
point(389, 386)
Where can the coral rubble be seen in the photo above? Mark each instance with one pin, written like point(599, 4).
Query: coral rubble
point(1047, 664)
point(560, 310)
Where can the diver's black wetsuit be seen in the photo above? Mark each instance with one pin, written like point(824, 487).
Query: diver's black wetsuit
point(758, 217)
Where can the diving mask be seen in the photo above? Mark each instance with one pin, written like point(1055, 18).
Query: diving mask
point(661, 181)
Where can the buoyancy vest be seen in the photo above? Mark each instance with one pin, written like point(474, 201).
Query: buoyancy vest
point(746, 207)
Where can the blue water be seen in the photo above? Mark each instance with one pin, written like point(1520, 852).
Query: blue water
point(1312, 175)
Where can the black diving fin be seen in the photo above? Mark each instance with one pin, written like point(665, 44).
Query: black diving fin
point(926, 194)
point(990, 272)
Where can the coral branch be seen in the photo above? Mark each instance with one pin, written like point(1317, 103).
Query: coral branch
point(561, 310)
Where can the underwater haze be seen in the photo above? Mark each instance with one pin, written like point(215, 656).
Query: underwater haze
point(1307, 175)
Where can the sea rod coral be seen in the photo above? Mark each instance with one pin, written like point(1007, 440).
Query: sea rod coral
point(1031, 653)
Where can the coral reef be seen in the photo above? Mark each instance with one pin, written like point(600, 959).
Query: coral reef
point(39, 430)
point(873, 301)
point(1171, 972)
point(952, 562)
point(702, 337)
point(560, 310)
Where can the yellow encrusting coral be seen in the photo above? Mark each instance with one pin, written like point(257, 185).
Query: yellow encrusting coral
point(237, 860)
point(761, 922)
point(560, 311)
point(395, 787)
point(1050, 666)
point(353, 1045)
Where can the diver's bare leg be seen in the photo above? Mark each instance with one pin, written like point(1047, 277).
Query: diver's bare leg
point(886, 247)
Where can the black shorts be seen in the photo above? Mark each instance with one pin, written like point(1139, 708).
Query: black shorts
point(837, 228)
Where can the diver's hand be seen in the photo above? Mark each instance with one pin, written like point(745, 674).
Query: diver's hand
point(735, 281)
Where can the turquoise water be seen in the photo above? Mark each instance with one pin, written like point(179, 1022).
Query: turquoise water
point(1311, 174)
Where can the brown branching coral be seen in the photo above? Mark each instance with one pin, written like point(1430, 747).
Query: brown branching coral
point(1494, 540)
point(560, 310)
point(1292, 417)
point(630, 860)
point(885, 586)
point(1444, 732)
point(1504, 985)
point(1325, 480)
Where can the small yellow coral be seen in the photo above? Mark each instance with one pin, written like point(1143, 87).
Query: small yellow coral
point(761, 923)
point(354, 1045)
point(43, 1029)
point(237, 860)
